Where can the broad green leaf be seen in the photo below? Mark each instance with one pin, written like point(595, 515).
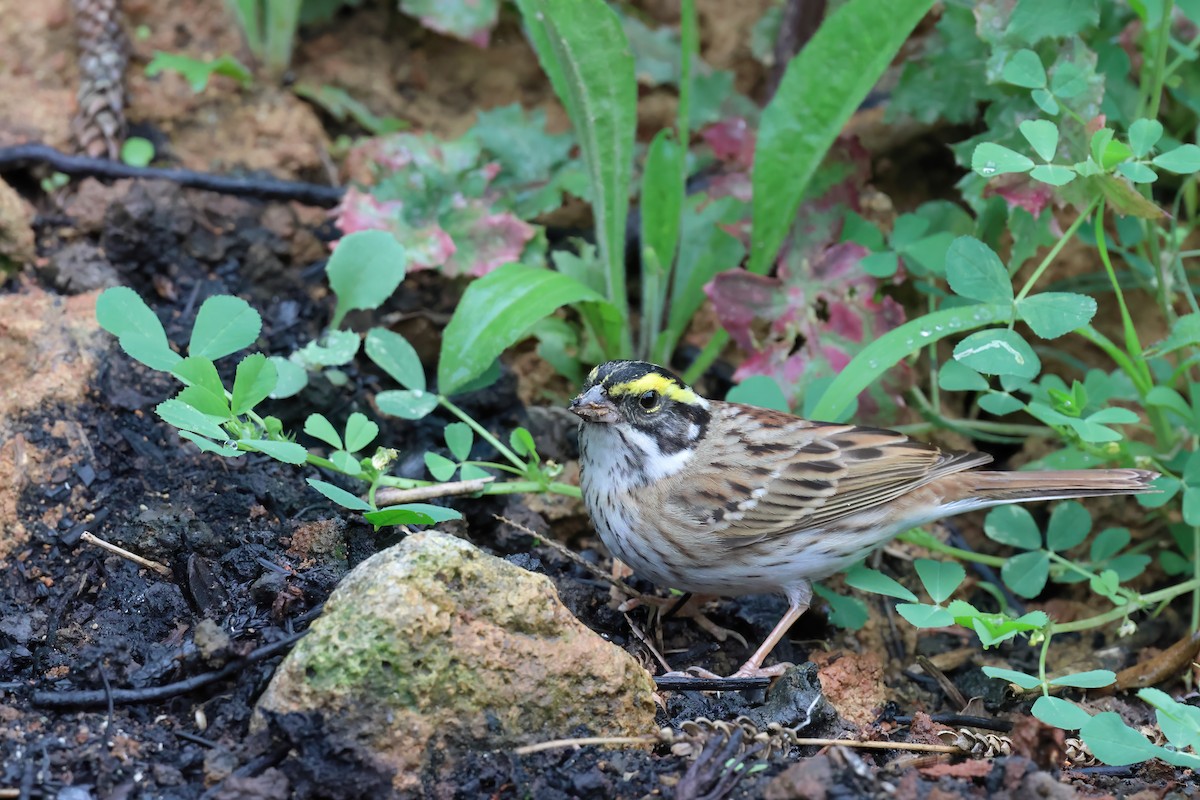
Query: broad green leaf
point(521, 441)
point(470, 472)
point(1092, 679)
point(406, 403)
point(291, 377)
point(662, 197)
point(255, 379)
point(441, 468)
point(894, 346)
point(759, 390)
point(124, 314)
point(1181, 160)
point(1068, 80)
point(339, 495)
point(820, 90)
point(990, 159)
point(459, 438)
point(196, 71)
point(1045, 101)
point(1060, 713)
point(1042, 136)
point(871, 580)
point(1108, 543)
point(223, 325)
point(923, 615)
point(287, 452)
point(1021, 679)
point(940, 578)
point(1166, 397)
point(1143, 135)
point(495, 312)
point(411, 514)
point(333, 349)
point(360, 432)
point(1053, 314)
point(1138, 173)
point(1069, 525)
point(319, 427)
point(973, 270)
point(1053, 174)
point(395, 356)
point(998, 403)
point(1179, 722)
point(998, 351)
point(1107, 584)
point(1014, 526)
point(1026, 573)
point(364, 269)
point(954, 376)
point(1114, 742)
point(188, 418)
point(204, 390)
point(582, 47)
point(1025, 69)
point(1034, 20)
point(345, 463)
point(844, 612)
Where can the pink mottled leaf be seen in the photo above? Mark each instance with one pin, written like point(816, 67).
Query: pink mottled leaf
point(469, 20)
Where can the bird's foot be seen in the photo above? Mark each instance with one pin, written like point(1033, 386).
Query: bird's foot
point(692, 609)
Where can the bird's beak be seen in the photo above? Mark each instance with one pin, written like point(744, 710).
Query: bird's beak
point(594, 406)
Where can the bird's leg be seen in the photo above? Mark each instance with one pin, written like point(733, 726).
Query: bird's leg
point(685, 608)
point(799, 598)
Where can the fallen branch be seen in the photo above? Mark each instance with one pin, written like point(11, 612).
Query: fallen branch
point(390, 496)
point(160, 568)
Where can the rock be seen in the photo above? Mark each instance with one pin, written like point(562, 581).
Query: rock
point(433, 646)
point(17, 239)
point(809, 779)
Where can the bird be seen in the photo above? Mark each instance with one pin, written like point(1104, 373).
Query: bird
point(720, 498)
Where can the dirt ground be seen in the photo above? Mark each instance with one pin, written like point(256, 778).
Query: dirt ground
point(89, 640)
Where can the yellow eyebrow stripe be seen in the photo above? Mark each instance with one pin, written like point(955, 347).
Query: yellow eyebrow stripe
point(654, 382)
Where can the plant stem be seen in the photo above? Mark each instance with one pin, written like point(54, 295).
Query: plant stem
point(922, 539)
point(1143, 601)
point(1058, 246)
point(707, 356)
point(483, 433)
point(1158, 74)
point(1196, 577)
point(1042, 661)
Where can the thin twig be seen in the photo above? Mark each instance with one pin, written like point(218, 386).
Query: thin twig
point(391, 496)
point(583, 741)
point(641, 635)
point(574, 557)
point(918, 747)
point(160, 568)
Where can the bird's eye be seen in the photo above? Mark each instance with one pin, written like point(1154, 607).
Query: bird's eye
point(649, 400)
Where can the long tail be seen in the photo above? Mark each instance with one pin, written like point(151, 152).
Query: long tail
point(1015, 487)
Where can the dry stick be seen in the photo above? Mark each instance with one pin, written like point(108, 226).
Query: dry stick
point(571, 555)
point(865, 745)
point(641, 635)
point(391, 496)
point(161, 569)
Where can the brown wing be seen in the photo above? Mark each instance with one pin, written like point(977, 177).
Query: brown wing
point(786, 473)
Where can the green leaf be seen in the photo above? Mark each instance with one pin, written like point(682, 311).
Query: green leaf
point(392, 353)
point(1069, 80)
point(1014, 526)
point(1045, 101)
point(1025, 69)
point(845, 612)
point(998, 403)
point(1053, 174)
point(940, 578)
point(1054, 314)
point(759, 390)
point(1026, 573)
point(319, 427)
point(496, 311)
point(209, 446)
point(364, 269)
point(292, 377)
point(1108, 543)
point(1069, 525)
point(1138, 173)
point(459, 438)
point(1143, 135)
point(1060, 713)
point(1042, 136)
point(1182, 160)
point(1021, 679)
point(990, 159)
point(470, 472)
point(204, 390)
point(894, 346)
point(441, 468)
point(1034, 20)
point(662, 197)
point(1107, 584)
point(339, 495)
point(287, 452)
point(820, 90)
point(998, 351)
point(360, 432)
point(411, 514)
point(332, 349)
point(521, 441)
point(582, 47)
point(1114, 742)
point(871, 580)
point(1166, 397)
point(197, 72)
point(973, 270)
point(956, 377)
point(122, 313)
point(345, 463)
point(254, 381)
point(137, 152)
point(189, 418)
point(1179, 722)
point(223, 325)
point(1092, 679)
point(406, 403)
point(922, 615)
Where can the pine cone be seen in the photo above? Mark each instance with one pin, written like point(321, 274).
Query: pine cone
point(99, 123)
